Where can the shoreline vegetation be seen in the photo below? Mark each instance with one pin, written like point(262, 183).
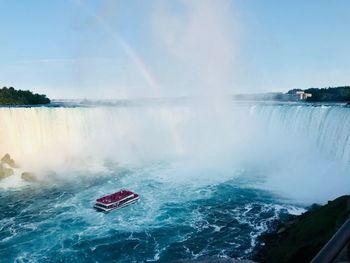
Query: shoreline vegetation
point(330, 94)
point(11, 96)
point(300, 238)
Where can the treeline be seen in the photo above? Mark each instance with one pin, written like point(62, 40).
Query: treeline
point(337, 94)
point(11, 96)
point(331, 94)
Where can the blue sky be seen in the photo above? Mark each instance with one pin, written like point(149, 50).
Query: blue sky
point(118, 49)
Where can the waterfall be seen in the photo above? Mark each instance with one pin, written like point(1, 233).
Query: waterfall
point(157, 131)
point(294, 148)
point(326, 126)
point(118, 132)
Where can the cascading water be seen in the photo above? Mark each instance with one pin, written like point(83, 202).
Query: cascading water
point(106, 132)
point(327, 126)
point(210, 181)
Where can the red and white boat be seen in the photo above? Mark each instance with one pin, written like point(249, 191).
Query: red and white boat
point(117, 200)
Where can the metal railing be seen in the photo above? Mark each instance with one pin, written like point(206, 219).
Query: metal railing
point(337, 246)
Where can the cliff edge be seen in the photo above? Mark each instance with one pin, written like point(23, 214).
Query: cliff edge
point(301, 238)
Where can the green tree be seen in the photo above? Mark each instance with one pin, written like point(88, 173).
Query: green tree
point(11, 96)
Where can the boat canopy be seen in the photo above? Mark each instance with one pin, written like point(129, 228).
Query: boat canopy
point(116, 197)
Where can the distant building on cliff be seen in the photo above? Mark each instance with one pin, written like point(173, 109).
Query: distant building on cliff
point(303, 95)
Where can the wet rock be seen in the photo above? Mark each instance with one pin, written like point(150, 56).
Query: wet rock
point(29, 177)
point(8, 160)
point(5, 172)
point(300, 239)
point(281, 230)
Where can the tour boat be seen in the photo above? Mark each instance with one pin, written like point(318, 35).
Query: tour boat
point(115, 201)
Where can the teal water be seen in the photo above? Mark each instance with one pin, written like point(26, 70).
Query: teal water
point(172, 221)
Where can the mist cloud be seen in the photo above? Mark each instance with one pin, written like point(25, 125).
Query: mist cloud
point(201, 38)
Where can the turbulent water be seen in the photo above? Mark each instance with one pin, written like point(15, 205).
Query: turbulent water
point(210, 180)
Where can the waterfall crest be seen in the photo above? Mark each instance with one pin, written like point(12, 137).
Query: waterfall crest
point(327, 126)
point(126, 132)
